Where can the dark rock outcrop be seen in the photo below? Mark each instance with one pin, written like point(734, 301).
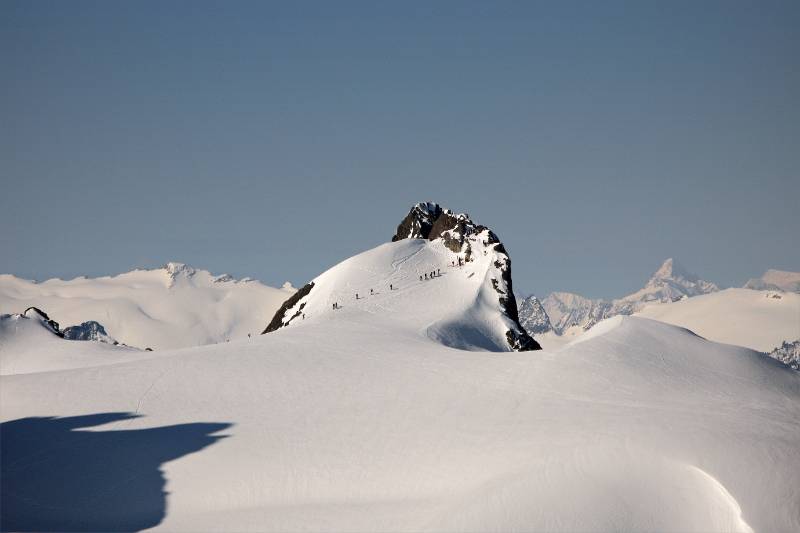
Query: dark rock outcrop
point(52, 325)
point(88, 331)
point(277, 320)
point(418, 222)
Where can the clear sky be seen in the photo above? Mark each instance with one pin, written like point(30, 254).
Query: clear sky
point(273, 140)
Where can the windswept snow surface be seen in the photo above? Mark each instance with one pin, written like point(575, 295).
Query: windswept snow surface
point(171, 307)
point(756, 319)
point(360, 419)
point(351, 423)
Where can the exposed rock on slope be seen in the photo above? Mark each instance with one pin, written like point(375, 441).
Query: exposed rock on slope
point(88, 331)
point(37, 314)
point(473, 309)
point(282, 318)
point(788, 353)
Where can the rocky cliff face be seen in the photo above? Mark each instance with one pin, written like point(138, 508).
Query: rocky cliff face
point(788, 353)
point(88, 331)
point(533, 316)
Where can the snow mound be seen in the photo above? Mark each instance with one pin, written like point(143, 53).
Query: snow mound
point(361, 424)
point(450, 281)
point(743, 317)
point(31, 342)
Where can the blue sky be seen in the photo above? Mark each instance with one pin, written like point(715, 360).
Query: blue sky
point(273, 140)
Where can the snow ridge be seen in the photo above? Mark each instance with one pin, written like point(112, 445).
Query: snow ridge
point(471, 306)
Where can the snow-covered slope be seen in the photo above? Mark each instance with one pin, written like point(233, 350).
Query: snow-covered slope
point(776, 280)
point(442, 275)
point(760, 320)
point(360, 424)
point(170, 307)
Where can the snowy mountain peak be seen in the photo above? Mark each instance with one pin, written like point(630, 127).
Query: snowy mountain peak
point(672, 269)
point(669, 283)
point(442, 274)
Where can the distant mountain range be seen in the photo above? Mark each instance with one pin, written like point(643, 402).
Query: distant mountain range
point(779, 280)
point(563, 310)
point(170, 307)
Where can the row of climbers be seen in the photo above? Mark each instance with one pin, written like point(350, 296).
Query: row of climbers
point(428, 275)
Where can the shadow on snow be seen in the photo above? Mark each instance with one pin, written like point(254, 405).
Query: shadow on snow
point(56, 478)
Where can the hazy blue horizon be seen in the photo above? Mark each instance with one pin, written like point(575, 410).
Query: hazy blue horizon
point(274, 140)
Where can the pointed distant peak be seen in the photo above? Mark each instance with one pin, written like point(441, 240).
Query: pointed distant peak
point(670, 268)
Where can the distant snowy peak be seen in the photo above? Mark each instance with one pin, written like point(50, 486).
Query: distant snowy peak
point(776, 280)
point(566, 310)
point(176, 272)
point(672, 282)
point(478, 309)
